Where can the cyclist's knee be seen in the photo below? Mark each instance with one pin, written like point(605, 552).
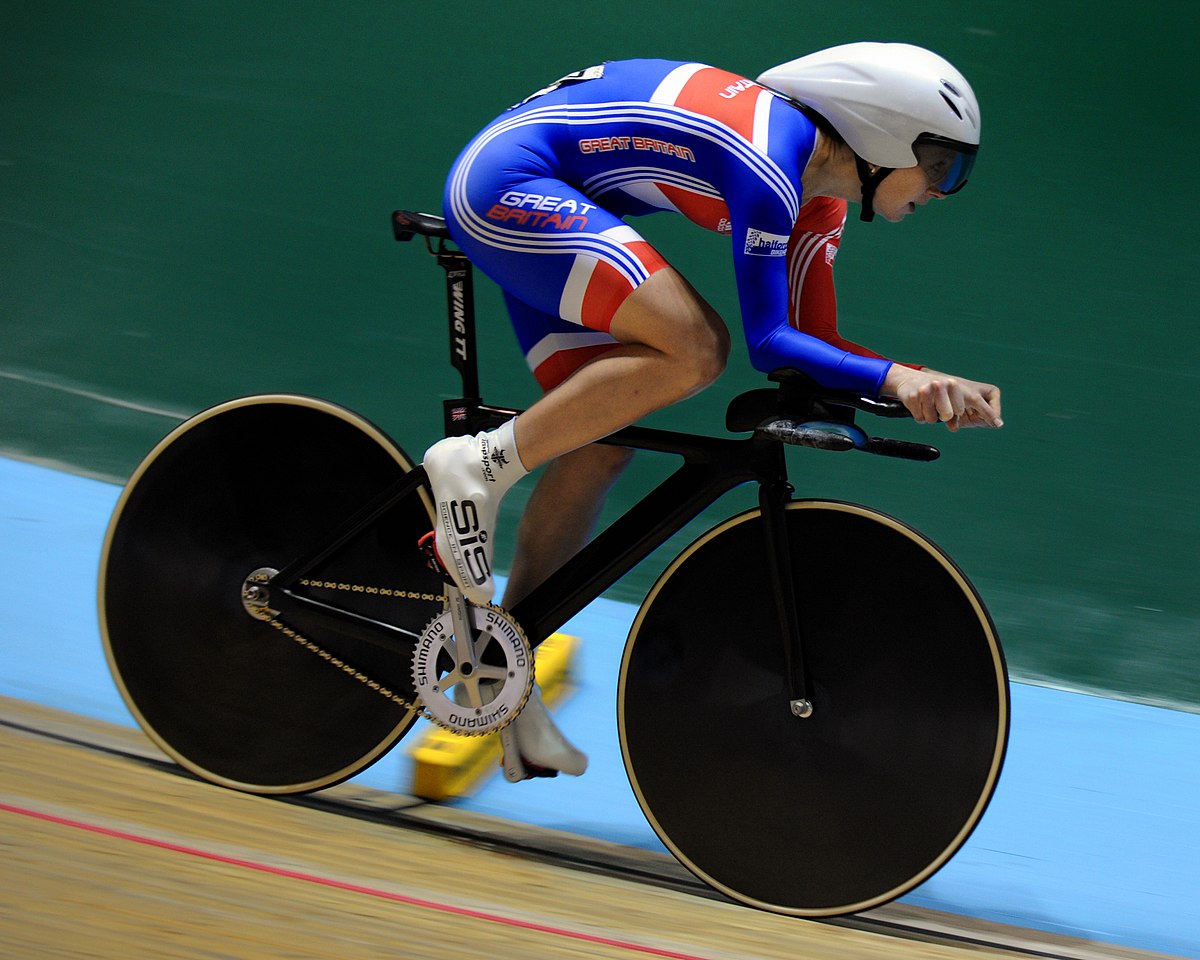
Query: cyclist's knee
point(711, 348)
point(667, 314)
point(701, 351)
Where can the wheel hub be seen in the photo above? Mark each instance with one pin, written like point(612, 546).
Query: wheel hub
point(255, 595)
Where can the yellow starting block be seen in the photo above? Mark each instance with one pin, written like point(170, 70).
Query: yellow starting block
point(446, 765)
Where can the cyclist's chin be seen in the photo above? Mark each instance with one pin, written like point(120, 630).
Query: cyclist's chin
point(897, 213)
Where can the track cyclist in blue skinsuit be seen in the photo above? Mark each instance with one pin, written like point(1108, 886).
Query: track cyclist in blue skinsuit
point(612, 332)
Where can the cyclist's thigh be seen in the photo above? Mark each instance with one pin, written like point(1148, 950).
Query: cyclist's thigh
point(554, 348)
point(543, 241)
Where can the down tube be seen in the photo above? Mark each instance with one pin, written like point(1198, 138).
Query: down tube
point(658, 516)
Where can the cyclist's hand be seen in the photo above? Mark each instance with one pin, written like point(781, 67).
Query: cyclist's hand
point(933, 397)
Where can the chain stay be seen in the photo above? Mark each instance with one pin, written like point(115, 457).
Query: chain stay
point(346, 668)
point(268, 616)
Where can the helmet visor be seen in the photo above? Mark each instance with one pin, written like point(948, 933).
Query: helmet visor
point(946, 163)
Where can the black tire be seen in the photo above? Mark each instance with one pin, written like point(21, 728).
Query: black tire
point(864, 800)
point(256, 483)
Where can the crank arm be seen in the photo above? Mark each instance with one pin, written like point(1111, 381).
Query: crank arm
point(464, 631)
point(514, 767)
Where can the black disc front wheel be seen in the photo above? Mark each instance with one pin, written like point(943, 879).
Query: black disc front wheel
point(860, 802)
point(245, 487)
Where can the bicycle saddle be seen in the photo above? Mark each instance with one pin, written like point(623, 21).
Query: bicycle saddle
point(406, 224)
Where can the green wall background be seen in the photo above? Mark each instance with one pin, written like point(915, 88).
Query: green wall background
point(194, 202)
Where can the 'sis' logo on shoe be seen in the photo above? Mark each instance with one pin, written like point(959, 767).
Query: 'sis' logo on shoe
point(468, 542)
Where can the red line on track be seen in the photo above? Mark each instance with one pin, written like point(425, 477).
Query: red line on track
point(349, 887)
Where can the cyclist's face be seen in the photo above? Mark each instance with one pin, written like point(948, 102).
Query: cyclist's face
point(902, 191)
point(939, 172)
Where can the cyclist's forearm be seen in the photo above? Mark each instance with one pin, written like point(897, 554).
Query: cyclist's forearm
point(825, 363)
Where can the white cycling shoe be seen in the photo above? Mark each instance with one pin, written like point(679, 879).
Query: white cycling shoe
point(469, 476)
point(544, 750)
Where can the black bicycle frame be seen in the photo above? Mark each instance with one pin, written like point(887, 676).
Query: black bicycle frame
point(711, 467)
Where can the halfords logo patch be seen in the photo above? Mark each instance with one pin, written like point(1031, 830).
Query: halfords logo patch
point(759, 243)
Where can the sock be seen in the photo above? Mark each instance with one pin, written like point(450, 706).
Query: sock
point(499, 461)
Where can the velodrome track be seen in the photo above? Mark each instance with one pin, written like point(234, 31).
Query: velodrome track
point(110, 851)
point(113, 852)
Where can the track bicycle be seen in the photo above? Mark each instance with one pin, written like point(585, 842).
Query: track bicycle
point(812, 704)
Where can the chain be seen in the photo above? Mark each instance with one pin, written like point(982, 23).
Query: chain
point(341, 664)
point(348, 669)
point(372, 591)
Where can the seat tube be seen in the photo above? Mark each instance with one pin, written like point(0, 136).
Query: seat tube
point(772, 499)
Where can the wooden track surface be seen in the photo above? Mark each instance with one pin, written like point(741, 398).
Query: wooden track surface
point(111, 852)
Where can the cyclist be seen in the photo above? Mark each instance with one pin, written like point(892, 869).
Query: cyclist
point(612, 332)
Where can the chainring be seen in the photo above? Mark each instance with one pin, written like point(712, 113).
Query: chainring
point(483, 693)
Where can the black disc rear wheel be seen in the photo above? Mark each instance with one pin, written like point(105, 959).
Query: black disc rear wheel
point(248, 485)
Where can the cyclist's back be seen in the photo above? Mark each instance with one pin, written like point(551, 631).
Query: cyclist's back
point(651, 135)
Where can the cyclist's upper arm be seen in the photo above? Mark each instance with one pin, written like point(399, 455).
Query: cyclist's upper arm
point(812, 248)
point(760, 264)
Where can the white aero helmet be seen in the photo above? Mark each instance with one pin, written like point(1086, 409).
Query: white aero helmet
point(885, 100)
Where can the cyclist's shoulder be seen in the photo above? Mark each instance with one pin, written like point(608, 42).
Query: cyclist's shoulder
point(688, 83)
point(821, 215)
point(759, 115)
point(664, 81)
point(648, 80)
point(698, 88)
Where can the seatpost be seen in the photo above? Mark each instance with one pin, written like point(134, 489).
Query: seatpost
point(460, 299)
